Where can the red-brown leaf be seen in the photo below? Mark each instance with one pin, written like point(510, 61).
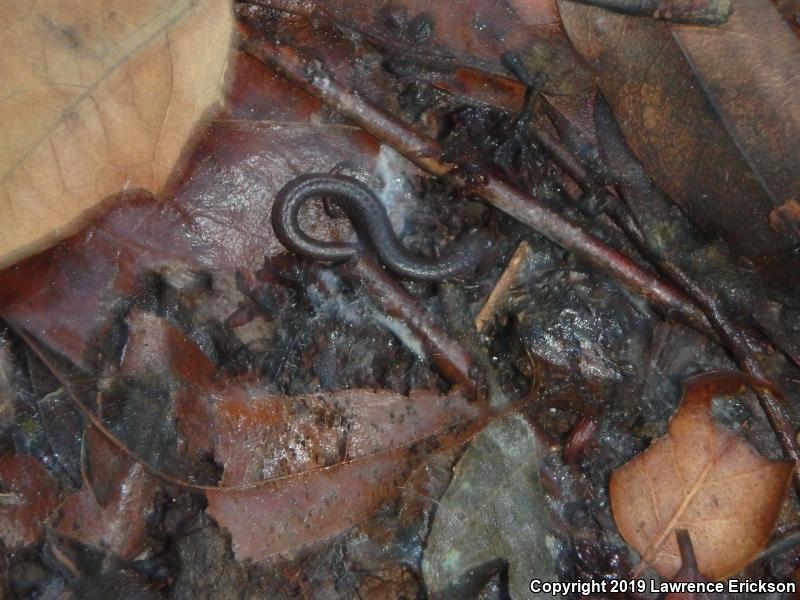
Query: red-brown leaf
point(348, 452)
point(109, 511)
point(284, 516)
point(66, 296)
point(297, 469)
point(29, 495)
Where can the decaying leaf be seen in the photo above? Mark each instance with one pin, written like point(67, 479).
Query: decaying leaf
point(703, 478)
point(109, 511)
point(297, 469)
point(475, 34)
point(98, 97)
point(27, 495)
point(493, 513)
point(282, 517)
point(156, 346)
point(713, 114)
point(349, 452)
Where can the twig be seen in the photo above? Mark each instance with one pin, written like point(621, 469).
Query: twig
point(503, 285)
point(688, 558)
point(740, 345)
point(702, 12)
point(689, 571)
point(725, 329)
point(447, 354)
point(10, 499)
point(580, 436)
point(784, 543)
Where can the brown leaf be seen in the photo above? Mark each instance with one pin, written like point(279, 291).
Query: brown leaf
point(703, 478)
point(284, 516)
point(713, 114)
point(790, 9)
point(297, 469)
point(257, 437)
point(475, 34)
point(109, 511)
point(98, 97)
point(349, 451)
point(27, 496)
point(698, 12)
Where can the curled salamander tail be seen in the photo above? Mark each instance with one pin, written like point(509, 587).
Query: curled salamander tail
point(370, 220)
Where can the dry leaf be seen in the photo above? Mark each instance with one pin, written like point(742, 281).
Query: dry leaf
point(713, 114)
point(27, 495)
point(703, 478)
point(98, 96)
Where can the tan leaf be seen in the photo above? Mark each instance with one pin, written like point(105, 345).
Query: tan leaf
point(703, 478)
point(98, 96)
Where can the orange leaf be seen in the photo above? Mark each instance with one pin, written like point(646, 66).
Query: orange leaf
point(703, 478)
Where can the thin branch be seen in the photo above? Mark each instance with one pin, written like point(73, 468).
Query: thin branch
point(502, 287)
point(446, 353)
